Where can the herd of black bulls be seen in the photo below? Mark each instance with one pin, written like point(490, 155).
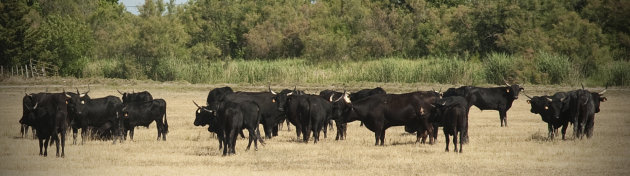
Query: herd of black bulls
point(227, 113)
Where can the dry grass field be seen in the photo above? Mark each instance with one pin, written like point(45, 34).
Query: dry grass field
point(520, 149)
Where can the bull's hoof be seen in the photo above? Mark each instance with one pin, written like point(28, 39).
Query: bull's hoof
point(446, 150)
point(460, 151)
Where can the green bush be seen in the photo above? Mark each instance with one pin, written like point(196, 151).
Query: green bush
point(615, 73)
point(500, 67)
point(556, 69)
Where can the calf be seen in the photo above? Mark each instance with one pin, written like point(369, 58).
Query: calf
point(144, 113)
point(451, 113)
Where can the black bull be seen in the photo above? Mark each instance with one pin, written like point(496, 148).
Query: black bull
point(309, 113)
point(379, 112)
point(49, 117)
point(496, 98)
point(101, 113)
point(144, 113)
point(270, 115)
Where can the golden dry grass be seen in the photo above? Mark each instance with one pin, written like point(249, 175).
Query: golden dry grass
point(520, 149)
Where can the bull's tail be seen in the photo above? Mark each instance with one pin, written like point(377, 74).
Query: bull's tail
point(258, 117)
point(165, 124)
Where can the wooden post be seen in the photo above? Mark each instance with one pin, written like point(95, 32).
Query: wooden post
point(30, 61)
point(43, 71)
point(26, 69)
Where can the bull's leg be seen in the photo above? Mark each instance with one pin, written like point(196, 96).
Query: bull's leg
point(550, 128)
point(288, 125)
point(274, 130)
point(41, 143)
point(383, 137)
point(435, 133)
point(221, 139)
point(447, 141)
point(461, 142)
point(455, 141)
point(240, 132)
point(233, 136)
point(46, 146)
point(56, 138)
point(319, 129)
point(268, 131)
point(75, 132)
point(377, 136)
point(23, 130)
point(564, 129)
point(306, 133)
point(63, 143)
point(325, 124)
point(33, 131)
point(503, 117)
point(252, 137)
point(225, 145)
point(131, 133)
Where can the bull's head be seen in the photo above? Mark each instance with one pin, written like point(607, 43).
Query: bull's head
point(281, 99)
point(513, 90)
point(203, 115)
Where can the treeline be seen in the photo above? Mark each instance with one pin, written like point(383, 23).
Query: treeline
point(86, 38)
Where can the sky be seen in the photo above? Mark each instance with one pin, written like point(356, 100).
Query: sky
point(132, 5)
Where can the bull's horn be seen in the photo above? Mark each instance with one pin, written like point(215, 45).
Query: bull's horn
point(78, 91)
point(290, 93)
point(341, 97)
point(196, 104)
point(549, 99)
point(331, 96)
point(272, 92)
point(119, 92)
point(527, 95)
point(582, 86)
point(88, 89)
point(506, 82)
point(64, 92)
point(346, 98)
point(36, 103)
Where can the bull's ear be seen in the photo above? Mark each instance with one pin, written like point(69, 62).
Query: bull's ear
point(529, 102)
point(604, 99)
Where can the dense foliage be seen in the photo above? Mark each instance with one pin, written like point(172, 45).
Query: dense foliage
point(533, 41)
